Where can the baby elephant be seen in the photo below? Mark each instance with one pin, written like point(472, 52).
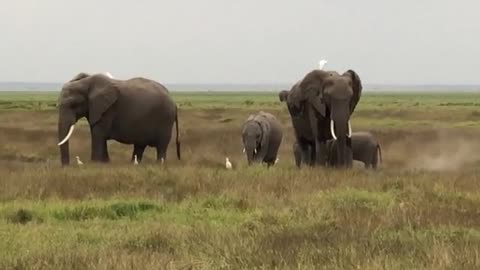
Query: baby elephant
point(365, 148)
point(261, 136)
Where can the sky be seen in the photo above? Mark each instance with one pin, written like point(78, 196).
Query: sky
point(248, 41)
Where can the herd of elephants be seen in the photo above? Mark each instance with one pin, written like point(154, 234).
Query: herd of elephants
point(140, 112)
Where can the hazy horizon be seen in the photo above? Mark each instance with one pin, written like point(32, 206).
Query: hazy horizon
point(218, 87)
point(249, 42)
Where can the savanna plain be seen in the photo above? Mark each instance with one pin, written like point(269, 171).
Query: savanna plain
point(420, 210)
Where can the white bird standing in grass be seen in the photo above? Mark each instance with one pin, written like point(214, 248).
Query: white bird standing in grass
point(135, 160)
point(322, 64)
point(228, 164)
point(79, 162)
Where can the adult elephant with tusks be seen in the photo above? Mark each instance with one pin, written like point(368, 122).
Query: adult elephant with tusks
point(137, 111)
point(320, 106)
point(261, 136)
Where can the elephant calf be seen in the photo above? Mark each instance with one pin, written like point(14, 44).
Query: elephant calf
point(261, 136)
point(365, 148)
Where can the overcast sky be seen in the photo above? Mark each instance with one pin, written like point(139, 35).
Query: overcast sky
point(247, 41)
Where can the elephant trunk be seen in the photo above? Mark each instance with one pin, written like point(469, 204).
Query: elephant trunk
point(341, 132)
point(66, 122)
point(250, 150)
point(343, 153)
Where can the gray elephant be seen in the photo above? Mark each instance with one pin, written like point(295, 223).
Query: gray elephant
point(320, 106)
point(301, 156)
point(365, 148)
point(137, 111)
point(261, 137)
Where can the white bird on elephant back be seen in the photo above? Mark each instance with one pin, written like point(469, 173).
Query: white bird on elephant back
point(108, 74)
point(322, 64)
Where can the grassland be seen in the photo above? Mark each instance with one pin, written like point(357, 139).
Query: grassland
point(421, 210)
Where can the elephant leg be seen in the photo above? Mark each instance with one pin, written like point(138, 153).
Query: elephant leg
point(322, 155)
point(310, 155)
point(303, 154)
point(138, 151)
point(298, 159)
point(318, 149)
point(162, 152)
point(162, 145)
point(298, 155)
point(99, 150)
point(99, 147)
point(375, 160)
point(106, 156)
point(270, 159)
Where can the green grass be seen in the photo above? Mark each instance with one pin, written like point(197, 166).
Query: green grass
point(370, 100)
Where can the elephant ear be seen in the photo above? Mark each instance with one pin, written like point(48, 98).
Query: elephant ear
point(103, 95)
point(265, 125)
point(357, 88)
point(312, 90)
point(283, 95)
point(294, 96)
point(319, 106)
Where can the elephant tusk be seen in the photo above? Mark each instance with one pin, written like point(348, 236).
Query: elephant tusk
point(332, 130)
point(70, 131)
point(349, 130)
point(255, 151)
point(243, 150)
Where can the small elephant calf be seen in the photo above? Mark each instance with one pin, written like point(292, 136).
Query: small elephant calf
point(261, 136)
point(365, 148)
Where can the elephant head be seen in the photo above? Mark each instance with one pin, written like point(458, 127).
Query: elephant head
point(87, 96)
point(334, 98)
point(255, 137)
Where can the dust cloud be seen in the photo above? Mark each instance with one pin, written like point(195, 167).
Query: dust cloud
point(435, 151)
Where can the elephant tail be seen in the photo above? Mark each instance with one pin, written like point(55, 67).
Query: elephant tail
point(177, 140)
point(380, 153)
